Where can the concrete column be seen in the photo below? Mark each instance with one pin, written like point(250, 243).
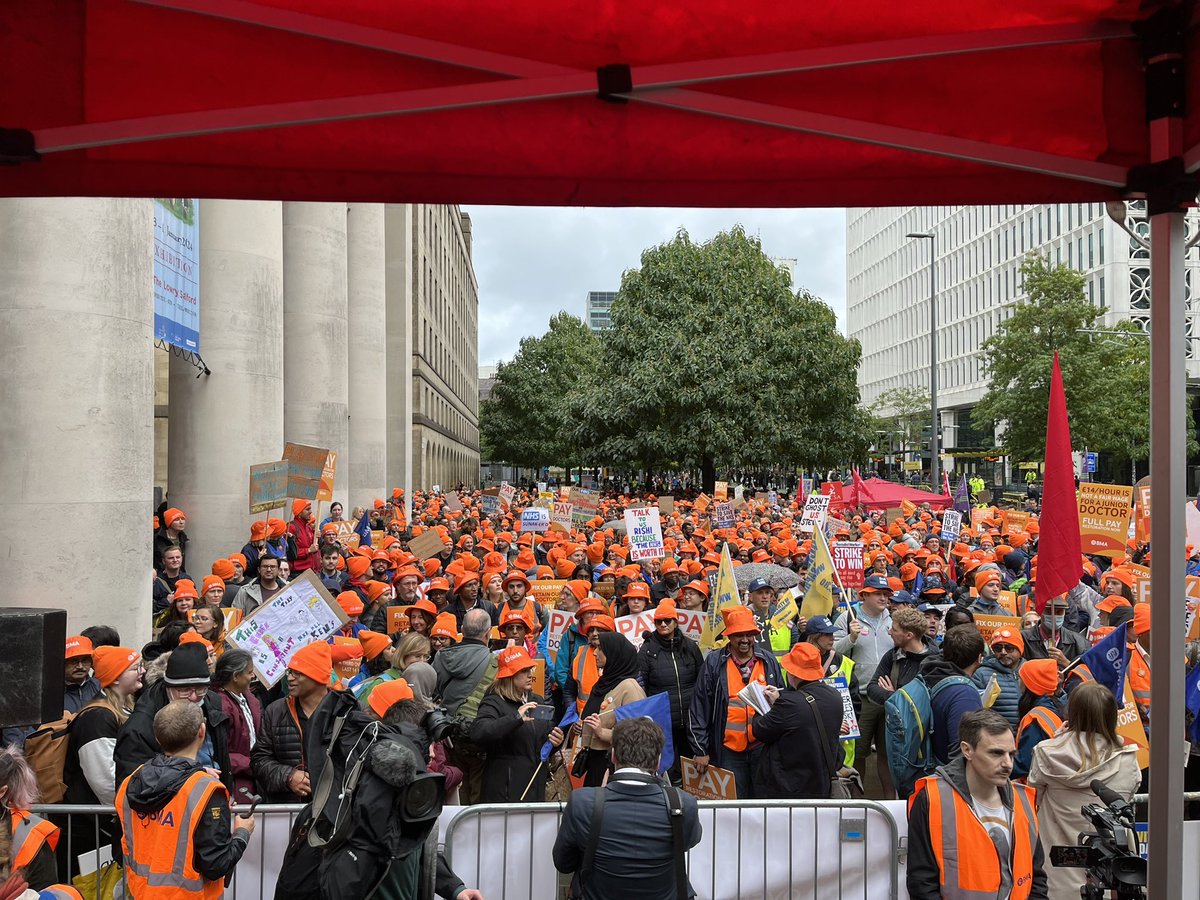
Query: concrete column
point(398, 242)
point(314, 329)
point(222, 423)
point(365, 477)
point(77, 445)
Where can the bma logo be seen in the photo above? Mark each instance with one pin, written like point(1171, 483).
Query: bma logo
point(1112, 655)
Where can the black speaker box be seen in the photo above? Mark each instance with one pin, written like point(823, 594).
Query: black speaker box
point(32, 647)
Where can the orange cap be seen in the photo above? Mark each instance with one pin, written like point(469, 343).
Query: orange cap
point(78, 646)
point(513, 660)
point(740, 620)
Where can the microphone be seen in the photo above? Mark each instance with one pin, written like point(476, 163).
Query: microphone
point(1110, 798)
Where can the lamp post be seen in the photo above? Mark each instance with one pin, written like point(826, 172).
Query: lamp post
point(934, 448)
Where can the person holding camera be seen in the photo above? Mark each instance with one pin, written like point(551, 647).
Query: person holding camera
point(511, 727)
point(972, 832)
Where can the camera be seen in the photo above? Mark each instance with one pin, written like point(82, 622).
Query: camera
point(439, 724)
point(1110, 853)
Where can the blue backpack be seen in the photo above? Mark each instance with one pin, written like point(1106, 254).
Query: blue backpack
point(908, 720)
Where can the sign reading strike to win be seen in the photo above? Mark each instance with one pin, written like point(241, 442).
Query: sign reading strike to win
point(1104, 511)
point(848, 561)
point(645, 533)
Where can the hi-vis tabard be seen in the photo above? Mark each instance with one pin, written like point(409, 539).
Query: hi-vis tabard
point(739, 733)
point(29, 834)
point(586, 675)
point(968, 864)
point(159, 847)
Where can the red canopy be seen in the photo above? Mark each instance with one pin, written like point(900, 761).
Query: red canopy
point(876, 493)
point(709, 103)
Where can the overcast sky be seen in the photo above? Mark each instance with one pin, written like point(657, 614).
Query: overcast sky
point(532, 262)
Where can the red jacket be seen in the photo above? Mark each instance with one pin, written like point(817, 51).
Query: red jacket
point(305, 536)
point(239, 743)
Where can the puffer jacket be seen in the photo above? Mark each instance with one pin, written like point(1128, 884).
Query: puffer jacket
point(670, 665)
point(1010, 687)
point(278, 752)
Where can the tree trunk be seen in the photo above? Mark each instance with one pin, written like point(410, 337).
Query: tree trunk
point(708, 474)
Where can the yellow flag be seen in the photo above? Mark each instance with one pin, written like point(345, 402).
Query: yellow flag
point(819, 599)
point(726, 594)
point(786, 612)
point(990, 693)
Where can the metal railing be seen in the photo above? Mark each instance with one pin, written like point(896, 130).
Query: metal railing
point(808, 849)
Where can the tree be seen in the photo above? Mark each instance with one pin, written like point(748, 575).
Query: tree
point(1106, 376)
point(903, 411)
point(713, 361)
point(525, 421)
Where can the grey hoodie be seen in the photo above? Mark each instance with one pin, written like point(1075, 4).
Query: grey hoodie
point(459, 668)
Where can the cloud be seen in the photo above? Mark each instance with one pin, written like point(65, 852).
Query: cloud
point(532, 262)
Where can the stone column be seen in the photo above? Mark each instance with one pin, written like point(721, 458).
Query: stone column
point(77, 449)
point(365, 478)
point(398, 242)
point(222, 423)
point(314, 329)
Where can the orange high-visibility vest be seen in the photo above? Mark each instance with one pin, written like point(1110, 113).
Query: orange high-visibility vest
point(968, 865)
point(62, 892)
point(528, 613)
point(29, 834)
point(160, 847)
point(739, 733)
point(585, 676)
point(1048, 720)
point(1138, 674)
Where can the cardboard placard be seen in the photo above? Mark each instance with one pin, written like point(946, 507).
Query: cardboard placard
point(987, 625)
point(397, 619)
point(268, 486)
point(328, 473)
point(666, 506)
point(892, 513)
point(1104, 511)
point(701, 503)
point(347, 668)
point(604, 589)
point(714, 784)
point(302, 613)
point(306, 465)
point(453, 502)
point(427, 544)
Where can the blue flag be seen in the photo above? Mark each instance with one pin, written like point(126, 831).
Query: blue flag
point(568, 720)
point(657, 708)
point(1191, 696)
point(1108, 661)
point(363, 529)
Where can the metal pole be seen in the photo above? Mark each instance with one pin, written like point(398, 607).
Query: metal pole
point(934, 443)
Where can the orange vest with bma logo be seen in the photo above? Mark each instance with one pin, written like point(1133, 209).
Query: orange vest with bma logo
point(739, 732)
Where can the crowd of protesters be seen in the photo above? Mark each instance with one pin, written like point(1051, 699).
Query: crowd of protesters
point(470, 638)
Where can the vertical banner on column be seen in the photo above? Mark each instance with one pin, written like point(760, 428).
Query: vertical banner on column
point(177, 271)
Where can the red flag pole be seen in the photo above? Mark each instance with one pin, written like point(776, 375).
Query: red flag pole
point(1060, 555)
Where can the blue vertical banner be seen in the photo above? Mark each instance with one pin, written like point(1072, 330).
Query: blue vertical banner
point(177, 271)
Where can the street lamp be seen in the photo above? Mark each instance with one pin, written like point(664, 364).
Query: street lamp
point(934, 449)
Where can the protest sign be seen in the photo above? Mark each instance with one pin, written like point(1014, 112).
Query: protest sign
point(346, 534)
point(644, 530)
point(987, 625)
point(739, 504)
point(453, 502)
point(848, 562)
point(301, 613)
point(564, 492)
point(1015, 521)
point(720, 490)
point(347, 668)
point(604, 589)
point(1008, 599)
point(560, 621)
point(806, 486)
point(268, 486)
point(507, 494)
point(490, 502)
point(816, 508)
point(691, 622)
point(560, 514)
point(977, 517)
point(835, 526)
point(892, 514)
point(397, 619)
point(328, 473)
point(723, 515)
point(908, 507)
point(1141, 582)
point(585, 505)
point(633, 627)
point(542, 487)
point(701, 503)
point(838, 682)
point(1130, 728)
point(772, 498)
point(535, 519)
point(539, 678)
point(426, 544)
point(1142, 510)
point(546, 591)
point(739, 491)
point(1104, 511)
point(306, 465)
point(666, 506)
point(714, 784)
point(951, 525)
point(760, 496)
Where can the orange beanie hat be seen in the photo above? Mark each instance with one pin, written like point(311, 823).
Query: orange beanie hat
point(314, 661)
point(223, 569)
point(110, 663)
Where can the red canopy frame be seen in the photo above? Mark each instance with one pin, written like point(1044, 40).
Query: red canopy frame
point(710, 104)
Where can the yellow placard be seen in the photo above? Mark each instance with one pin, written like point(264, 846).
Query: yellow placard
point(1130, 728)
point(1104, 511)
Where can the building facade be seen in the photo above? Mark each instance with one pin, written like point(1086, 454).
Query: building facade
point(597, 309)
point(978, 254)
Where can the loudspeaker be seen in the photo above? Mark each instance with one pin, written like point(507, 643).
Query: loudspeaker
point(32, 649)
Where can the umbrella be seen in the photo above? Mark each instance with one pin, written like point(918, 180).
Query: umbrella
point(614, 524)
point(779, 577)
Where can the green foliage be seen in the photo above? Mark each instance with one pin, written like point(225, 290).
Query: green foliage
point(713, 361)
point(903, 411)
point(1106, 377)
point(525, 421)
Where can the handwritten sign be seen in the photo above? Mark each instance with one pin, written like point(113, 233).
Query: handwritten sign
point(816, 508)
point(300, 614)
point(951, 525)
point(268, 486)
point(584, 505)
point(453, 502)
point(714, 784)
point(535, 519)
point(306, 465)
point(1104, 511)
point(644, 529)
point(848, 561)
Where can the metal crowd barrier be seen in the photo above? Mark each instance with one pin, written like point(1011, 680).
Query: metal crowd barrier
point(807, 849)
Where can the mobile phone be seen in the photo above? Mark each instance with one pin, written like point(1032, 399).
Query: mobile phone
point(542, 711)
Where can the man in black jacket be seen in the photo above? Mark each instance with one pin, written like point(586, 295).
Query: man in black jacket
point(278, 759)
point(797, 754)
point(670, 661)
point(642, 863)
point(187, 678)
point(169, 792)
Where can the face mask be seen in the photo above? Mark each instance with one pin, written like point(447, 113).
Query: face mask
point(1053, 623)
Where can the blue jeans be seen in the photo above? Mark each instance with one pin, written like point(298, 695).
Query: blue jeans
point(742, 767)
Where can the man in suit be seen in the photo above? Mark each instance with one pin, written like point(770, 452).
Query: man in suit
point(646, 863)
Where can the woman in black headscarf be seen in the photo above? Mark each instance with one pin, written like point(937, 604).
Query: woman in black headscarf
point(617, 685)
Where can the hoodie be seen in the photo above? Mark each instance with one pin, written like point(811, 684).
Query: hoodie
point(949, 704)
point(459, 668)
point(156, 783)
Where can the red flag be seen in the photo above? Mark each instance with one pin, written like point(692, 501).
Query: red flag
point(1060, 560)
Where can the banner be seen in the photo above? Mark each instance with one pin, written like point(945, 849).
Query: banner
point(833, 490)
point(268, 486)
point(177, 272)
point(306, 465)
point(821, 593)
point(535, 519)
point(816, 508)
point(848, 562)
point(325, 491)
point(1104, 511)
point(644, 530)
point(951, 525)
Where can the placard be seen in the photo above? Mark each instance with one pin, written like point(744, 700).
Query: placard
point(347, 668)
point(546, 591)
point(300, 614)
point(833, 490)
point(1141, 582)
point(977, 517)
point(560, 621)
point(584, 505)
point(816, 508)
point(453, 502)
point(848, 563)
point(666, 506)
point(1015, 521)
point(691, 622)
point(838, 683)
point(633, 627)
point(346, 533)
point(328, 473)
point(951, 525)
point(397, 619)
point(306, 465)
point(560, 514)
point(507, 494)
point(720, 490)
point(1104, 511)
point(892, 514)
point(268, 486)
point(714, 784)
point(723, 515)
point(987, 625)
point(535, 519)
point(1142, 517)
point(1131, 729)
point(490, 502)
point(427, 544)
point(644, 530)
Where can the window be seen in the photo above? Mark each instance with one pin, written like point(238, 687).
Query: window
point(1101, 236)
point(1091, 250)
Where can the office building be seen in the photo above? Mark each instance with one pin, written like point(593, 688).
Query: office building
point(596, 312)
